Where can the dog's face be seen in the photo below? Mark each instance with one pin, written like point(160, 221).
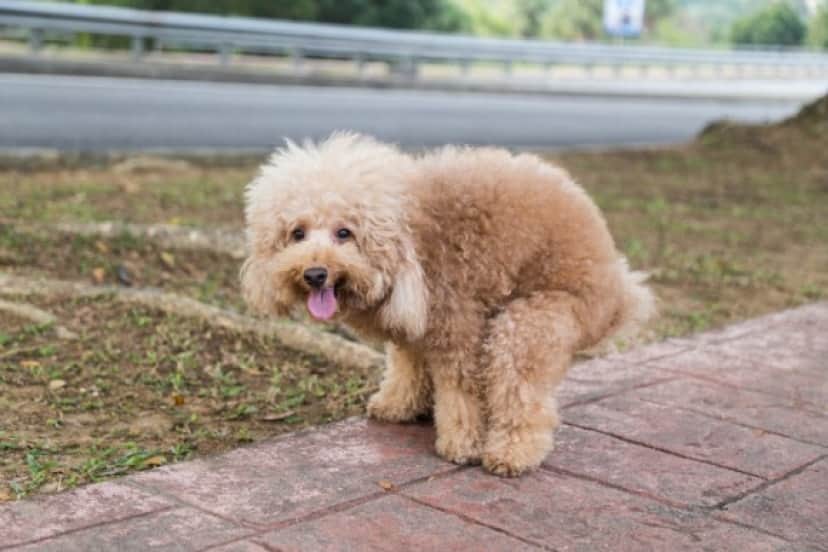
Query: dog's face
point(321, 257)
point(326, 231)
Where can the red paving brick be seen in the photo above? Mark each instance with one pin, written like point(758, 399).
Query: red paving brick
point(695, 436)
point(717, 442)
point(750, 408)
point(180, 529)
point(806, 386)
point(240, 546)
point(47, 516)
point(597, 378)
point(391, 523)
point(567, 513)
point(775, 322)
point(800, 344)
point(288, 478)
point(796, 508)
point(644, 470)
point(650, 352)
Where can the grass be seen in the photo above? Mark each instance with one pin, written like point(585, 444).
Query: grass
point(731, 226)
point(164, 192)
point(139, 389)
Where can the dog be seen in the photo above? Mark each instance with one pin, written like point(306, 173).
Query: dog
point(482, 271)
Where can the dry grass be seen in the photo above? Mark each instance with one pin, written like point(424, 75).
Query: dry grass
point(731, 227)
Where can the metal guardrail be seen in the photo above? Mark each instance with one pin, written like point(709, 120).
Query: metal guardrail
point(403, 49)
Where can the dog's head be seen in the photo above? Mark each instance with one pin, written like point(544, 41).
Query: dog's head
point(326, 228)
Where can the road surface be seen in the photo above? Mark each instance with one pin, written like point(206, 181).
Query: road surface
point(101, 114)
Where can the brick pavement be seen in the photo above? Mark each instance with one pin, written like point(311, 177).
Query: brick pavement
point(715, 442)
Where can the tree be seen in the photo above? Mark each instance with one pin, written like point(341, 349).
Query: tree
point(779, 24)
point(818, 28)
point(291, 9)
point(399, 14)
point(395, 14)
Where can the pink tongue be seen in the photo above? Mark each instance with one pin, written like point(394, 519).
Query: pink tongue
point(322, 303)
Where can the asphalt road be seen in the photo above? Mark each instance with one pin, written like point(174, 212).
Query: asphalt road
point(97, 114)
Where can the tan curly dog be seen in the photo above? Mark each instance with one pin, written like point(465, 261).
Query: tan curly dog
point(483, 271)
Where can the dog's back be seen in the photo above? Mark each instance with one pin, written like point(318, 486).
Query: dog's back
point(498, 226)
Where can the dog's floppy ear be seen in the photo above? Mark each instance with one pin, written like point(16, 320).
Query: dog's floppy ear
point(260, 292)
point(406, 309)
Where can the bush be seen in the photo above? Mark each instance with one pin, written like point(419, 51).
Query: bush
point(779, 25)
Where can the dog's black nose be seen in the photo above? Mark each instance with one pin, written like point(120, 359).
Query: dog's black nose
point(316, 277)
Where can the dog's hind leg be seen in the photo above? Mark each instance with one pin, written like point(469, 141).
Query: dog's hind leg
point(528, 349)
point(405, 391)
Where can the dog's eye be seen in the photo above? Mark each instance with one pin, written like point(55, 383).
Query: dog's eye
point(298, 234)
point(343, 234)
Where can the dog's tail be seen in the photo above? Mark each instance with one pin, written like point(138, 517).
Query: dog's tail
point(638, 305)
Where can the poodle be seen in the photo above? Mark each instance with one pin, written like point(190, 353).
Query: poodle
point(483, 272)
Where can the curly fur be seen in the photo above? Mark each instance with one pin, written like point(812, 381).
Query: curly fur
point(483, 271)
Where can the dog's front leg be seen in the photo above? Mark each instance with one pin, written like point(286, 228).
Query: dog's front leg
point(405, 391)
point(458, 410)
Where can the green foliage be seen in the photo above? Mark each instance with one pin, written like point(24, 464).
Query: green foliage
point(575, 20)
point(395, 14)
point(659, 9)
point(398, 14)
point(818, 28)
point(531, 14)
point(679, 32)
point(292, 9)
point(779, 24)
point(490, 17)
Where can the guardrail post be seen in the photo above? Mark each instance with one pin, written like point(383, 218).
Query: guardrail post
point(589, 70)
point(359, 65)
point(35, 40)
point(507, 68)
point(225, 52)
point(465, 68)
point(405, 67)
point(137, 47)
point(297, 60)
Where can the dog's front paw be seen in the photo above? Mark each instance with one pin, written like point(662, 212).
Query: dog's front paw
point(386, 409)
point(513, 460)
point(459, 449)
